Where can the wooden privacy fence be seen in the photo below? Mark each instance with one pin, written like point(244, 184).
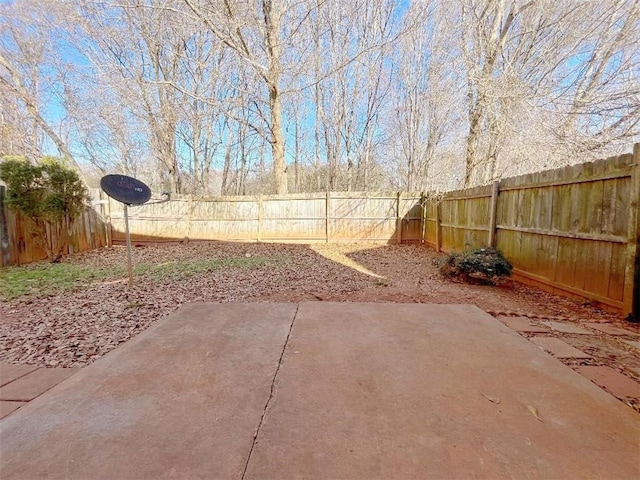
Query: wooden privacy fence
point(18, 244)
point(312, 217)
point(573, 231)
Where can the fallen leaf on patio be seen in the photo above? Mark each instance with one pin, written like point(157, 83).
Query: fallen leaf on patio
point(491, 399)
point(534, 412)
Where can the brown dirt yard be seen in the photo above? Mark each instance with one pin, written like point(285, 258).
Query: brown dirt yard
point(73, 326)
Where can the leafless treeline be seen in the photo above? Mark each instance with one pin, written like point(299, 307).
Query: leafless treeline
point(248, 96)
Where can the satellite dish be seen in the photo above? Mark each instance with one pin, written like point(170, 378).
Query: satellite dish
point(127, 190)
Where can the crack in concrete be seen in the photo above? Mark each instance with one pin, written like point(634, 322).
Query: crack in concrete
point(271, 393)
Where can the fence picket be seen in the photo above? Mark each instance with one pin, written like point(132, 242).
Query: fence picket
point(573, 230)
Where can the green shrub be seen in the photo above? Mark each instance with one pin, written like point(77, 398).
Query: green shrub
point(50, 194)
point(485, 265)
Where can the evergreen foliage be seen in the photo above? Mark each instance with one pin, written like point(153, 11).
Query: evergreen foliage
point(50, 194)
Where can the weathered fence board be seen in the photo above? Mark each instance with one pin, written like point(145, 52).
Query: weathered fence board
point(313, 217)
point(20, 245)
point(5, 246)
point(464, 218)
point(572, 230)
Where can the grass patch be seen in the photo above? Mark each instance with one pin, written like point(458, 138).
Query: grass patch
point(48, 278)
point(181, 269)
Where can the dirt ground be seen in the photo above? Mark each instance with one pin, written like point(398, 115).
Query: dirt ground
point(74, 328)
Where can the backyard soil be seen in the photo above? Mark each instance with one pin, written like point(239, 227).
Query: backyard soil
point(74, 328)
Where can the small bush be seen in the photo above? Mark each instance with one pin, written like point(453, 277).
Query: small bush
point(50, 194)
point(484, 265)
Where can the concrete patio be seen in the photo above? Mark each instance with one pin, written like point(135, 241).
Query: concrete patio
point(324, 390)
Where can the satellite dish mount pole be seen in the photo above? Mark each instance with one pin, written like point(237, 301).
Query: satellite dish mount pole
point(128, 235)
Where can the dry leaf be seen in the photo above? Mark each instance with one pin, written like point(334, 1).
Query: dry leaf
point(491, 399)
point(534, 412)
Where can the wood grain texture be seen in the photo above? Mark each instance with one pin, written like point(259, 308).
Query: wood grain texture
point(22, 246)
point(309, 217)
point(573, 229)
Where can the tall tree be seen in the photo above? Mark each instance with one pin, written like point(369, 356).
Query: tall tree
point(525, 58)
point(425, 112)
point(352, 76)
point(26, 76)
point(256, 33)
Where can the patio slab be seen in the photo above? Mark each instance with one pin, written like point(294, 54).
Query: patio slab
point(182, 399)
point(7, 407)
point(433, 391)
point(523, 324)
point(558, 348)
point(610, 329)
point(10, 372)
point(566, 327)
point(363, 391)
point(33, 384)
point(615, 382)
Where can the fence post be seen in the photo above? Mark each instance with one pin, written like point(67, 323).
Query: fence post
point(438, 237)
point(89, 228)
point(423, 218)
point(108, 227)
point(189, 215)
point(327, 208)
point(631, 296)
point(398, 219)
point(493, 211)
point(260, 215)
point(5, 251)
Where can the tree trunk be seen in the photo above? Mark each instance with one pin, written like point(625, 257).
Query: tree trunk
point(226, 184)
point(471, 157)
point(296, 154)
point(272, 78)
point(277, 141)
point(224, 188)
